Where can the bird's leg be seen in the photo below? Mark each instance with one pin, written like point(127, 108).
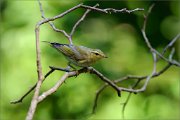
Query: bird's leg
point(74, 69)
point(69, 65)
point(68, 68)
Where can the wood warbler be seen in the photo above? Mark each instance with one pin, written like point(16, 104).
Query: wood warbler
point(78, 55)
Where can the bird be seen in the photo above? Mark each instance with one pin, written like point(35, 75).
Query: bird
point(78, 55)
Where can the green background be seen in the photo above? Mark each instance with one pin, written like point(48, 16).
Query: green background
point(117, 35)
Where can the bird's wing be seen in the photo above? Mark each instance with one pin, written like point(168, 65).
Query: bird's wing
point(83, 51)
point(65, 49)
point(78, 53)
point(70, 51)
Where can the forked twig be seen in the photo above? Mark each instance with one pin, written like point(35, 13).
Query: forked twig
point(139, 78)
point(38, 98)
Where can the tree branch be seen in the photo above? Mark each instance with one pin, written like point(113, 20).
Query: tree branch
point(171, 43)
point(139, 78)
point(110, 10)
point(34, 101)
point(89, 8)
point(31, 89)
point(173, 62)
point(52, 25)
point(79, 21)
point(53, 89)
point(38, 98)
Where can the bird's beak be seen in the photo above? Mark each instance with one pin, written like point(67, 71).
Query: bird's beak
point(105, 56)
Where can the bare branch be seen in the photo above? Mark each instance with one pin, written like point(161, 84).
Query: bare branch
point(173, 62)
point(171, 43)
point(33, 105)
point(98, 92)
point(128, 98)
point(146, 17)
point(109, 10)
point(61, 81)
point(22, 98)
point(41, 10)
point(60, 15)
point(52, 25)
point(124, 104)
point(60, 69)
point(38, 98)
point(52, 69)
point(75, 73)
point(80, 20)
point(146, 82)
point(171, 54)
point(31, 89)
point(53, 89)
point(154, 52)
point(153, 74)
point(124, 10)
point(105, 79)
point(93, 8)
point(139, 78)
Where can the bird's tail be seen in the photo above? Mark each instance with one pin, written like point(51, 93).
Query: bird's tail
point(63, 48)
point(46, 42)
point(54, 44)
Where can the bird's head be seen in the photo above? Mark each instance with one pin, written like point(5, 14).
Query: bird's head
point(97, 54)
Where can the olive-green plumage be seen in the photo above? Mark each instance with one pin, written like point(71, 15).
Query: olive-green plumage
point(79, 55)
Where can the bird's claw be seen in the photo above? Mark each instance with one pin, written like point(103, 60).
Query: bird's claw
point(77, 73)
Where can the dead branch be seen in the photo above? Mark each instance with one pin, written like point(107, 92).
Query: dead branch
point(38, 98)
point(154, 53)
point(34, 101)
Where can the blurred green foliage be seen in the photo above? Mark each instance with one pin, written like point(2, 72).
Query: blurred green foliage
point(118, 35)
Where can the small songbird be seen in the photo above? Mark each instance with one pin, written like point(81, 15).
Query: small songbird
point(78, 55)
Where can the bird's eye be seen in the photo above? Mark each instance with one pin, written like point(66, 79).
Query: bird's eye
point(97, 53)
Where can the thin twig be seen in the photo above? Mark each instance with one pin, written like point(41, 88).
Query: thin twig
point(124, 10)
point(22, 98)
point(36, 98)
point(53, 89)
point(139, 78)
point(34, 101)
point(128, 98)
point(153, 74)
point(60, 82)
point(168, 46)
point(69, 37)
point(80, 20)
point(154, 58)
point(173, 62)
point(144, 27)
point(171, 43)
point(75, 26)
point(124, 105)
point(106, 80)
point(98, 92)
point(171, 54)
point(52, 25)
point(110, 10)
point(31, 89)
